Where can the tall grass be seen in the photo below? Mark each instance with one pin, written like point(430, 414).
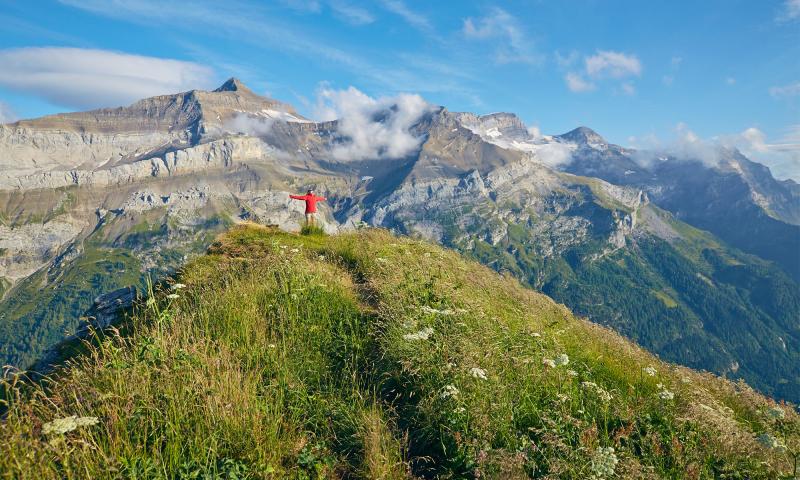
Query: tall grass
point(369, 356)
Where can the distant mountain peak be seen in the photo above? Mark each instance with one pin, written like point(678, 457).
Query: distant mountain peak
point(233, 84)
point(583, 135)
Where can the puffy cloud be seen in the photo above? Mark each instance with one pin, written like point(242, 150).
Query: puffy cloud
point(7, 115)
point(249, 125)
point(781, 156)
point(576, 83)
point(513, 43)
point(790, 90)
point(605, 64)
point(612, 64)
point(87, 78)
point(373, 127)
point(554, 154)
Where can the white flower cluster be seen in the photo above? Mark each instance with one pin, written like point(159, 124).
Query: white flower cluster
point(549, 362)
point(178, 286)
point(60, 426)
point(435, 311)
point(601, 392)
point(776, 413)
point(173, 296)
point(604, 462)
point(769, 441)
point(560, 361)
point(478, 373)
point(665, 394)
point(449, 391)
point(423, 334)
point(650, 371)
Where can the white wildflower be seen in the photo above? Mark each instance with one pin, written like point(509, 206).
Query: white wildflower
point(178, 286)
point(478, 373)
point(295, 250)
point(536, 335)
point(666, 395)
point(436, 311)
point(449, 391)
point(650, 371)
point(549, 362)
point(61, 426)
point(173, 296)
point(604, 462)
point(572, 373)
point(271, 345)
point(562, 398)
point(461, 410)
point(423, 334)
point(284, 247)
point(321, 258)
point(776, 413)
point(562, 360)
point(381, 259)
point(769, 441)
point(601, 393)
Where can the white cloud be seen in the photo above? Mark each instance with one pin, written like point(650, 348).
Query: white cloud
point(351, 13)
point(86, 78)
point(628, 88)
point(249, 125)
point(554, 154)
point(7, 115)
point(565, 61)
point(606, 63)
point(513, 43)
point(790, 90)
point(374, 127)
point(415, 19)
point(730, 80)
point(782, 157)
point(576, 83)
point(790, 11)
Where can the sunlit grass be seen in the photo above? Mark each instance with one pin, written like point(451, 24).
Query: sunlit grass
point(370, 356)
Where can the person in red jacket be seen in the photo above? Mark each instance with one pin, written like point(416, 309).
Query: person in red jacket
point(311, 205)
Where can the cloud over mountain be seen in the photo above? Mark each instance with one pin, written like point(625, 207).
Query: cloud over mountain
point(89, 78)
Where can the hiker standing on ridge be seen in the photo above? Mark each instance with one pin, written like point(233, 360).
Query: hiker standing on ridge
point(311, 205)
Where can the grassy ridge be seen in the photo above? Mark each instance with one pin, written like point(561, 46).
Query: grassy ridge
point(370, 356)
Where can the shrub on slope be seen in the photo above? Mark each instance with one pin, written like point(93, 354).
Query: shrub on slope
point(371, 356)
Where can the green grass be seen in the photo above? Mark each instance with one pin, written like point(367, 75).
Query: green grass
point(370, 356)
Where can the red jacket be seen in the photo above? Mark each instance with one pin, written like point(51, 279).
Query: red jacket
point(311, 201)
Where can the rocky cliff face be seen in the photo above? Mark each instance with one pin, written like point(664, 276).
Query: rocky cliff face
point(98, 201)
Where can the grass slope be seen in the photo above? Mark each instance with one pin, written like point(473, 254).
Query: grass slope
point(371, 356)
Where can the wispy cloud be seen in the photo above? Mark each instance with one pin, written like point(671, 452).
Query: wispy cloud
point(513, 44)
point(351, 14)
point(7, 115)
point(790, 11)
point(88, 78)
point(730, 81)
point(413, 18)
point(789, 90)
point(577, 83)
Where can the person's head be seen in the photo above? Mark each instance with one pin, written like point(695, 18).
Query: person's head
point(310, 191)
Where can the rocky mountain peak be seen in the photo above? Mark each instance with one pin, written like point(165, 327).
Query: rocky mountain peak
point(583, 136)
point(233, 84)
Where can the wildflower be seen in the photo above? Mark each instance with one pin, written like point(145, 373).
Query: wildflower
point(461, 410)
point(283, 247)
point(776, 413)
point(178, 286)
point(478, 373)
point(61, 426)
point(271, 345)
point(295, 250)
point(562, 398)
point(666, 395)
point(572, 373)
point(436, 311)
point(601, 393)
point(423, 334)
point(769, 441)
point(604, 462)
point(449, 391)
point(562, 360)
point(381, 259)
point(536, 335)
point(650, 371)
point(321, 258)
point(549, 362)
point(173, 296)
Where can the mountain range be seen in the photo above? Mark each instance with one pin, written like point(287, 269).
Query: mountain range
point(696, 259)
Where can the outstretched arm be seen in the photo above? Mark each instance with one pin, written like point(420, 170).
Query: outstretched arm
point(297, 197)
point(321, 199)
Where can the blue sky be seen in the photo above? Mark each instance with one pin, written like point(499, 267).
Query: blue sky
point(638, 72)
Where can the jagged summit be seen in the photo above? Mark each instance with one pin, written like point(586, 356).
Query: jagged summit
point(583, 135)
point(233, 84)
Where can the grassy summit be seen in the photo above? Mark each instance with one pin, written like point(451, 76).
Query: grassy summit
point(371, 356)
